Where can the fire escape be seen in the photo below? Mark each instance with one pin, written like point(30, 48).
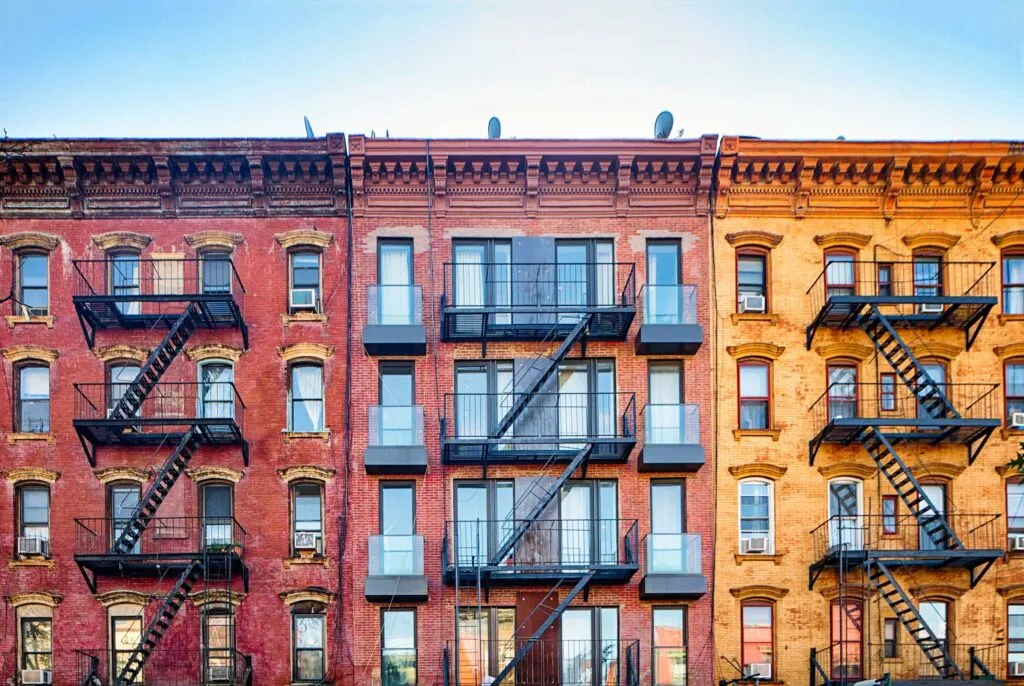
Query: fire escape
point(891, 302)
point(177, 297)
point(531, 421)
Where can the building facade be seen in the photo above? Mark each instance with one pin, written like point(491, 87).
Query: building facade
point(868, 299)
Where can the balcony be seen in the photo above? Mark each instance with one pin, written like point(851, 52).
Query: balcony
point(554, 426)
point(549, 550)
point(395, 440)
point(535, 301)
point(132, 293)
point(395, 570)
point(669, 325)
point(394, 320)
point(166, 413)
point(546, 662)
point(168, 667)
point(845, 410)
point(672, 567)
point(926, 293)
point(671, 438)
point(166, 546)
point(905, 663)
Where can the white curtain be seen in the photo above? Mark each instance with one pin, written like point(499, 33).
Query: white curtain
point(217, 400)
point(394, 297)
point(469, 279)
point(309, 381)
point(1013, 293)
point(664, 412)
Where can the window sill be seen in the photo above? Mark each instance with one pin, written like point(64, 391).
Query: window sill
point(324, 436)
point(32, 561)
point(756, 433)
point(1006, 432)
point(303, 561)
point(18, 437)
point(303, 318)
point(770, 319)
point(1004, 318)
point(15, 320)
point(775, 558)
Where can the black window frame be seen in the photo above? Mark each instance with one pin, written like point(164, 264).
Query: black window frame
point(383, 643)
point(19, 407)
point(20, 287)
point(222, 259)
point(682, 609)
point(322, 650)
point(26, 654)
point(20, 509)
point(318, 289)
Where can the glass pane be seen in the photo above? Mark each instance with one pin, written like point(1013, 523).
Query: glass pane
point(309, 631)
point(35, 506)
point(399, 629)
point(471, 522)
point(305, 270)
point(396, 387)
point(36, 636)
point(664, 297)
point(396, 511)
point(1015, 505)
point(307, 398)
point(754, 381)
point(575, 524)
point(307, 508)
point(217, 501)
point(757, 635)
point(471, 403)
point(216, 273)
point(395, 277)
point(577, 647)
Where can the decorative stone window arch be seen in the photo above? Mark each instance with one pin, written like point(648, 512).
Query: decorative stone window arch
point(748, 350)
point(29, 240)
point(16, 354)
point(761, 470)
point(753, 238)
point(206, 474)
point(216, 597)
point(112, 475)
point(117, 353)
point(310, 594)
point(845, 351)
point(305, 351)
point(936, 350)
point(214, 351)
point(842, 240)
point(306, 473)
point(21, 475)
point(40, 598)
point(934, 241)
point(849, 470)
point(295, 243)
point(304, 238)
point(937, 591)
point(121, 240)
point(213, 240)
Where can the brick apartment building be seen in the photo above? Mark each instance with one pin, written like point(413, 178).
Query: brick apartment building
point(214, 474)
point(870, 299)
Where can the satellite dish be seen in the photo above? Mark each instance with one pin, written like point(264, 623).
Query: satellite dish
point(494, 128)
point(309, 128)
point(663, 125)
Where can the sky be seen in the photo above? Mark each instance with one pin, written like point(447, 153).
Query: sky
point(897, 69)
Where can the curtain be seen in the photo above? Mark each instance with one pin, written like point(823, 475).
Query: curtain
point(308, 392)
point(469, 278)
point(217, 400)
point(666, 548)
point(844, 517)
point(1013, 292)
point(842, 392)
point(664, 411)
point(395, 298)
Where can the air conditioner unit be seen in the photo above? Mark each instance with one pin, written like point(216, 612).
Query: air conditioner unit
point(759, 669)
point(752, 303)
point(1017, 669)
point(930, 308)
point(218, 673)
point(32, 545)
point(1017, 420)
point(302, 299)
point(1017, 543)
point(306, 540)
point(754, 544)
point(36, 676)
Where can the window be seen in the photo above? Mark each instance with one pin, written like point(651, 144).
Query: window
point(124, 498)
point(667, 553)
point(1013, 284)
point(935, 614)
point(304, 274)
point(589, 650)
point(839, 275)
point(936, 371)
point(218, 641)
point(308, 634)
point(585, 273)
point(1015, 507)
point(842, 391)
point(890, 639)
point(397, 423)
point(125, 636)
point(397, 528)
point(756, 517)
point(930, 536)
point(216, 272)
point(482, 276)
point(885, 279)
point(755, 395)
point(664, 294)
point(306, 398)
point(486, 643)
point(126, 281)
point(927, 275)
point(846, 640)
point(1015, 633)
point(307, 509)
point(887, 391)
point(120, 376)
point(34, 516)
point(666, 419)
point(889, 508)
point(395, 304)
point(669, 646)
point(398, 648)
point(751, 276)
point(33, 410)
point(846, 528)
point(37, 643)
point(216, 390)
point(33, 285)
point(217, 517)
point(757, 638)
point(483, 517)
point(1014, 389)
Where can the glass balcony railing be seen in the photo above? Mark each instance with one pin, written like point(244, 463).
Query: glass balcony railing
point(672, 424)
point(394, 304)
point(396, 425)
point(669, 303)
point(396, 555)
point(672, 553)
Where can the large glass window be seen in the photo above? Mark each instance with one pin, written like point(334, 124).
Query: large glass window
point(1014, 389)
point(306, 398)
point(34, 515)
point(307, 506)
point(669, 641)
point(33, 409)
point(1013, 284)
point(935, 614)
point(308, 634)
point(483, 277)
point(667, 549)
point(930, 536)
point(124, 499)
point(216, 390)
point(755, 395)
point(394, 279)
point(486, 643)
point(1015, 635)
point(397, 528)
point(398, 648)
point(483, 518)
point(216, 271)
point(757, 638)
point(398, 416)
point(585, 273)
point(126, 281)
point(125, 636)
point(305, 281)
point(664, 294)
point(37, 643)
point(33, 284)
point(756, 535)
point(751, 276)
point(1015, 507)
point(846, 640)
point(217, 517)
point(666, 418)
point(842, 391)
point(589, 647)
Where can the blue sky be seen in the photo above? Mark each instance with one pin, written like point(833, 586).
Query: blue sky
point(779, 68)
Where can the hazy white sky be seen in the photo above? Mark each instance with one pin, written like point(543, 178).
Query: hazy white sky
point(780, 68)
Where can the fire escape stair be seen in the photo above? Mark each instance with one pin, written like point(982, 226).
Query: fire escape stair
point(159, 624)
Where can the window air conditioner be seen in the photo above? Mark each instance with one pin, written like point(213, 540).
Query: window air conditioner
point(32, 545)
point(36, 676)
point(752, 303)
point(759, 669)
point(1017, 420)
point(1017, 669)
point(303, 299)
point(930, 308)
point(1017, 543)
point(306, 540)
point(218, 673)
point(754, 544)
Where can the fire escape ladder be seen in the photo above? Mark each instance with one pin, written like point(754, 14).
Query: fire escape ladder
point(930, 396)
point(160, 623)
point(931, 521)
point(158, 362)
point(933, 649)
point(529, 643)
point(522, 398)
point(541, 504)
point(172, 469)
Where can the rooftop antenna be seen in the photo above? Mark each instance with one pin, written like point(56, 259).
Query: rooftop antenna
point(494, 128)
point(309, 127)
point(663, 125)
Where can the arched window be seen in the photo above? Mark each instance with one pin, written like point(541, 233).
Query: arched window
point(218, 643)
point(304, 280)
point(752, 280)
point(1013, 390)
point(306, 397)
point(216, 389)
point(754, 394)
point(757, 516)
point(32, 411)
point(1013, 281)
point(757, 638)
point(124, 269)
point(842, 389)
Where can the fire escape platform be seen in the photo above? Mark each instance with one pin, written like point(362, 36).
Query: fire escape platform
point(947, 430)
point(474, 324)
point(526, 451)
point(525, 574)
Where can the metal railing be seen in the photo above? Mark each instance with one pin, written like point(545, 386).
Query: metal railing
point(558, 544)
point(399, 425)
point(395, 555)
point(394, 304)
point(166, 666)
point(672, 554)
point(135, 278)
point(903, 532)
point(547, 662)
point(672, 424)
point(164, 536)
point(669, 303)
point(168, 400)
point(894, 400)
point(903, 659)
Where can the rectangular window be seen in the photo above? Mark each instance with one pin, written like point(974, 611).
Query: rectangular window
point(889, 504)
point(890, 638)
point(754, 396)
point(216, 271)
point(486, 643)
point(840, 278)
point(666, 547)
point(218, 639)
point(885, 279)
point(37, 643)
point(589, 648)
point(484, 516)
point(34, 513)
point(397, 423)
point(887, 392)
point(482, 277)
point(1013, 284)
point(126, 281)
point(217, 516)
point(306, 398)
point(398, 648)
point(1014, 389)
point(304, 292)
point(666, 420)
point(397, 529)
point(308, 639)
point(33, 285)
point(756, 534)
point(585, 274)
point(124, 498)
point(394, 282)
point(757, 639)
point(842, 392)
point(664, 296)
point(33, 411)
point(1015, 507)
point(751, 276)
point(125, 636)
point(927, 275)
point(309, 525)
point(669, 643)
point(1015, 635)
point(846, 640)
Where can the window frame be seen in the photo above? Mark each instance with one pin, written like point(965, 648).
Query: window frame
point(112, 620)
point(893, 530)
point(489, 616)
point(683, 610)
point(740, 398)
point(1014, 253)
point(770, 485)
point(1011, 530)
point(834, 640)
point(215, 254)
point(22, 622)
point(758, 602)
point(1018, 602)
point(841, 252)
point(293, 493)
point(890, 647)
point(201, 506)
point(20, 508)
point(19, 281)
point(318, 364)
point(926, 255)
point(221, 654)
point(306, 250)
point(886, 398)
point(762, 255)
point(887, 282)
point(842, 363)
point(19, 401)
point(295, 649)
point(415, 639)
point(1014, 361)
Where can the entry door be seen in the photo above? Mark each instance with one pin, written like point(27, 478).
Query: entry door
point(217, 515)
point(664, 296)
point(667, 551)
point(844, 505)
point(573, 401)
point(397, 525)
point(394, 275)
point(936, 493)
point(397, 411)
point(471, 400)
point(541, 667)
point(577, 662)
point(664, 412)
point(123, 502)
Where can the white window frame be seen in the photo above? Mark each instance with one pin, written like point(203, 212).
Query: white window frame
point(771, 510)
